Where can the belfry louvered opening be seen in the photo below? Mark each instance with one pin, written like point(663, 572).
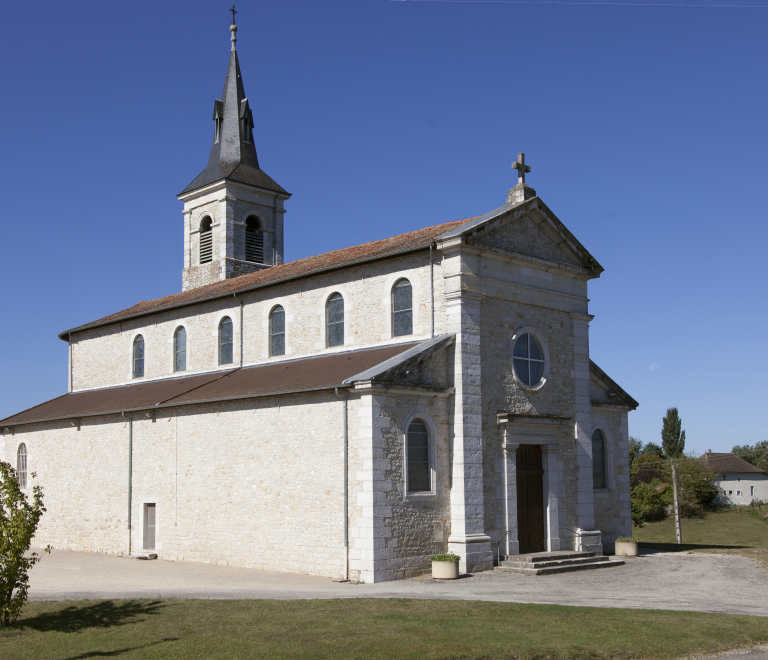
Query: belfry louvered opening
point(206, 241)
point(254, 241)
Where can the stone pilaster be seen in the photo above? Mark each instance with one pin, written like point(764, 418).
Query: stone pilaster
point(468, 538)
point(554, 487)
point(512, 544)
point(582, 415)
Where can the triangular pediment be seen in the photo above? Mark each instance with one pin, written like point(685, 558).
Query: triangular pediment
point(527, 229)
point(604, 390)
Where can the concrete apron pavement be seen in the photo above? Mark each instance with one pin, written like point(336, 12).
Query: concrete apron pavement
point(668, 581)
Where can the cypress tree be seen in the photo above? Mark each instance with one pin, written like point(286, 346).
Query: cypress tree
point(672, 435)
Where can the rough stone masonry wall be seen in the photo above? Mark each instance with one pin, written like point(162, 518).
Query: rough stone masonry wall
point(102, 356)
point(256, 483)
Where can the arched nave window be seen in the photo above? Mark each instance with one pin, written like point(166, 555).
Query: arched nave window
point(598, 459)
point(225, 341)
point(254, 241)
point(277, 331)
point(21, 465)
point(402, 309)
point(419, 473)
point(206, 241)
point(138, 357)
point(334, 320)
point(180, 349)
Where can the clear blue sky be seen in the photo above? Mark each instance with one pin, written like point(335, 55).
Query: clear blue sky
point(645, 127)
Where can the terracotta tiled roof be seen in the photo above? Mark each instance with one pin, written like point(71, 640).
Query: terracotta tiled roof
point(728, 463)
point(303, 267)
point(312, 373)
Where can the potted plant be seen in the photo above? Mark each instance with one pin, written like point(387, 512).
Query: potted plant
point(445, 566)
point(626, 547)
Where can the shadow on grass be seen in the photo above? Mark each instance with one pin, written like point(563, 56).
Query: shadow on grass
point(682, 547)
point(104, 614)
point(116, 652)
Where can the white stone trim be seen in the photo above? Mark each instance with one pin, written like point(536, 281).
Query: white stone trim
point(419, 412)
point(200, 216)
point(544, 347)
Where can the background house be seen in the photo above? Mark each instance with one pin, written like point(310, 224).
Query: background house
point(738, 482)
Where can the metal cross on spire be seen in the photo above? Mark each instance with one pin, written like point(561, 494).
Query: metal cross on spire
point(232, 9)
point(521, 168)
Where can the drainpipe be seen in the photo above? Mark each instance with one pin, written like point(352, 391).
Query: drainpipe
point(505, 449)
point(130, 476)
point(346, 487)
point(241, 328)
point(431, 293)
point(70, 361)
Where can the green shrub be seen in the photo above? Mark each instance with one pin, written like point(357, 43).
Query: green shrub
point(445, 556)
point(695, 487)
point(647, 504)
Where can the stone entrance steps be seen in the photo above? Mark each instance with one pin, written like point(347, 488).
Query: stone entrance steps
point(548, 563)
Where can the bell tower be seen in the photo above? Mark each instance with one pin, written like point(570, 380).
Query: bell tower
point(233, 211)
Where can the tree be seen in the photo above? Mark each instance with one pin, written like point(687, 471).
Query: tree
point(696, 485)
point(672, 435)
point(652, 449)
point(756, 454)
point(18, 522)
point(635, 448)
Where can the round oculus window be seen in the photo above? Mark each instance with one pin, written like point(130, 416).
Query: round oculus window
point(528, 359)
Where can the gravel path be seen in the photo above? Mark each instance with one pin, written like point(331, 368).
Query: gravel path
point(669, 581)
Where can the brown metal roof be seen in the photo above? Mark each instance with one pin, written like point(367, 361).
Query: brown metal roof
point(339, 258)
point(310, 373)
point(728, 463)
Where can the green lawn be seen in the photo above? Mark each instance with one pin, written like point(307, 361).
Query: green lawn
point(366, 628)
point(738, 530)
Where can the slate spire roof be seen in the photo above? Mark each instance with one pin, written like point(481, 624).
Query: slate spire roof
point(233, 152)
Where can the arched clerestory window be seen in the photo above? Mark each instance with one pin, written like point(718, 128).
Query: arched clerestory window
point(334, 320)
point(402, 309)
point(419, 471)
point(206, 240)
point(225, 341)
point(277, 331)
point(138, 357)
point(598, 460)
point(254, 241)
point(21, 465)
point(180, 349)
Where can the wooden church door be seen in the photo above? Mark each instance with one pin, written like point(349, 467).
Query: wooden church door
point(530, 499)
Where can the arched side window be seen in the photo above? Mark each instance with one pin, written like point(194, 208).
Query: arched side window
point(254, 241)
point(225, 341)
point(334, 320)
point(138, 357)
point(598, 460)
point(206, 240)
point(21, 465)
point(419, 472)
point(180, 349)
point(402, 309)
point(277, 331)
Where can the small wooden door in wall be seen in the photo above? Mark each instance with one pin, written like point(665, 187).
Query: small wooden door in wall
point(530, 499)
point(149, 526)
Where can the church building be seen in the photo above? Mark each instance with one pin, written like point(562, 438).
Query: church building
point(344, 415)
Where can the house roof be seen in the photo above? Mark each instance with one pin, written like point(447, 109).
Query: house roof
point(305, 374)
point(233, 152)
point(721, 462)
point(415, 240)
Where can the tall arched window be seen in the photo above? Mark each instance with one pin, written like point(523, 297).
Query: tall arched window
point(206, 241)
point(419, 473)
point(598, 459)
point(254, 241)
point(402, 309)
point(138, 357)
point(21, 465)
point(334, 320)
point(225, 341)
point(277, 331)
point(180, 349)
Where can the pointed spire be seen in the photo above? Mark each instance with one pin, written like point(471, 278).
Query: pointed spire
point(233, 153)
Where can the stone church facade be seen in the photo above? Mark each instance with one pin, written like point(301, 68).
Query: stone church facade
point(345, 415)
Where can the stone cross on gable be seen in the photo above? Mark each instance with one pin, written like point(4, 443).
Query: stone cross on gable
point(521, 168)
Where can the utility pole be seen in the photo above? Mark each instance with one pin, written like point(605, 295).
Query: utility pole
point(678, 533)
